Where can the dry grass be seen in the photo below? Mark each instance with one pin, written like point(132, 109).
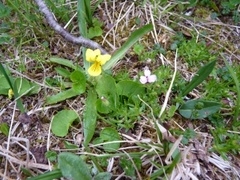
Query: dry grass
point(30, 135)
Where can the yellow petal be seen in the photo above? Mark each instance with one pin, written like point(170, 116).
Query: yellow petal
point(95, 69)
point(10, 93)
point(102, 59)
point(91, 55)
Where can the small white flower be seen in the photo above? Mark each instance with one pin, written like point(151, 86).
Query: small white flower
point(148, 78)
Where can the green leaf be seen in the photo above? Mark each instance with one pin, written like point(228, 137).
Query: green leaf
point(4, 38)
point(198, 109)
point(188, 134)
point(62, 121)
point(73, 167)
point(22, 85)
point(79, 81)
point(109, 134)
point(97, 140)
point(77, 76)
point(159, 172)
point(64, 62)
point(237, 83)
point(95, 6)
point(127, 166)
point(26, 87)
point(4, 11)
point(62, 72)
point(96, 22)
point(4, 83)
point(176, 159)
point(11, 83)
point(69, 145)
point(89, 117)
point(83, 9)
point(106, 85)
point(106, 89)
point(4, 68)
point(26, 171)
point(61, 96)
point(130, 88)
point(103, 106)
point(4, 128)
point(138, 49)
point(51, 156)
point(171, 111)
point(87, 12)
point(201, 75)
point(103, 176)
point(135, 36)
point(35, 88)
point(4, 86)
point(54, 174)
point(94, 32)
point(4, 91)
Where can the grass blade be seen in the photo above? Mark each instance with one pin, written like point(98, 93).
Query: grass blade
point(55, 174)
point(135, 36)
point(96, 5)
point(236, 81)
point(88, 12)
point(82, 24)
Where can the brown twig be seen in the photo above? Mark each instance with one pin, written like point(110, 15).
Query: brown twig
point(24, 163)
point(66, 35)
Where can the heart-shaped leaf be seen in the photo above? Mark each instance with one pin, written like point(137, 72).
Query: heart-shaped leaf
point(79, 81)
point(62, 121)
point(106, 90)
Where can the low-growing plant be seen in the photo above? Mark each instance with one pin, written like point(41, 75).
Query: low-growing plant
point(16, 87)
point(225, 142)
point(4, 27)
point(115, 106)
point(198, 108)
point(230, 7)
point(144, 55)
point(194, 52)
point(104, 95)
point(221, 8)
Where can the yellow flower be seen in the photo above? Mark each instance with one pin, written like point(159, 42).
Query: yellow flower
point(95, 57)
point(10, 93)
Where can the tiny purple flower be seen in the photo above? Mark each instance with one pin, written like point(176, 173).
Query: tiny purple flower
point(148, 78)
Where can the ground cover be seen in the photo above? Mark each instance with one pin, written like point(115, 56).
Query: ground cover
point(165, 105)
